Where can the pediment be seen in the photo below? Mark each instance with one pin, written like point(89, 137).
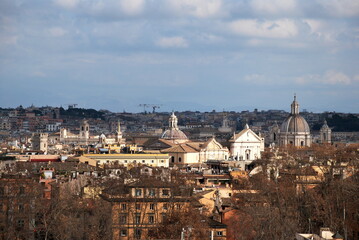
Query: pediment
point(247, 135)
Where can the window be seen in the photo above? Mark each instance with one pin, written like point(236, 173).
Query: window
point(179, 159)
point(138, 233)
point(138, 218)
point(143, 161)
point(123, 233)
point(22, 190)
point(123, 219)
point(138, 192)
point(152, 161)
point(165, 192)
point(138, 206)
point(152, 206)
point(151, 219)
point(165, 206)
point(178, 206)
point(164, 217)
point(219, 233)
point(21, 208)
point(20, 223)
point(151, 192)
point(123, 206)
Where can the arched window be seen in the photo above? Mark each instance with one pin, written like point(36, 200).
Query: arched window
point(179, 159)
point(173, 159)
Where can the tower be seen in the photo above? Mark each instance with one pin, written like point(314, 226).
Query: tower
point(118, 133)
point(85, 130)
point(274, 134)
point(325, 133)
point(39, 142)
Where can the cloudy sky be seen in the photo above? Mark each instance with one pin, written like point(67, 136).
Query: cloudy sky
point(183, 54)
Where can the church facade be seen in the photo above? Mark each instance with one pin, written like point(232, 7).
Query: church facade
point(246, 145)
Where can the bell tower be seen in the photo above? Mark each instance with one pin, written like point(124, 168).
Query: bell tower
point(325, 133)
point(119, 133)
point(85, 130)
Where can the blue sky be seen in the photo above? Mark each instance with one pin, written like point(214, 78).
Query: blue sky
point(184, 54)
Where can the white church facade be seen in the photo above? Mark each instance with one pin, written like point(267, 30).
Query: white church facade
point(246, 146)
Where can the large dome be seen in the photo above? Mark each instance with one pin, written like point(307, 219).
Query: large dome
point(295, 124)
point(295, 130)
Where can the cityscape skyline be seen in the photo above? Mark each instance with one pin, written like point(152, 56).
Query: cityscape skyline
point(186, 55)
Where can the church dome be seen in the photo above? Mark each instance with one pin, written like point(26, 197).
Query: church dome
point(295, 124)
point(173, 132)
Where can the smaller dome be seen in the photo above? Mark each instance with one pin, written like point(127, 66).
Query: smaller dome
point(296, 124)
point(173, 134)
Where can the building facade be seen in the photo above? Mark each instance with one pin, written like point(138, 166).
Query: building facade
point(154, 160)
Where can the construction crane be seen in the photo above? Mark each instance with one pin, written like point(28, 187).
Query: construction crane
point(153, 106)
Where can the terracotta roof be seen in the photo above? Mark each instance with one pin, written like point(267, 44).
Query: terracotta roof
point(181, 148)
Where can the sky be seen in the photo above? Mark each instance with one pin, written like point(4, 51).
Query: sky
point(203, 55)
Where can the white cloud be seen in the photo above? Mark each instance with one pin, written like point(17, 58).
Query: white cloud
point(282, 28)
point(197, 8)
point(57, 31)
point(273, 7)
point(132, 7)
point(323, 30)
point(176, 42)
point(69, 4)
point(330, 77)
point(341, 8)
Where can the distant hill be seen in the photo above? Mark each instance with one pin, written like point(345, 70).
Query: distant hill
point(81, 113)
